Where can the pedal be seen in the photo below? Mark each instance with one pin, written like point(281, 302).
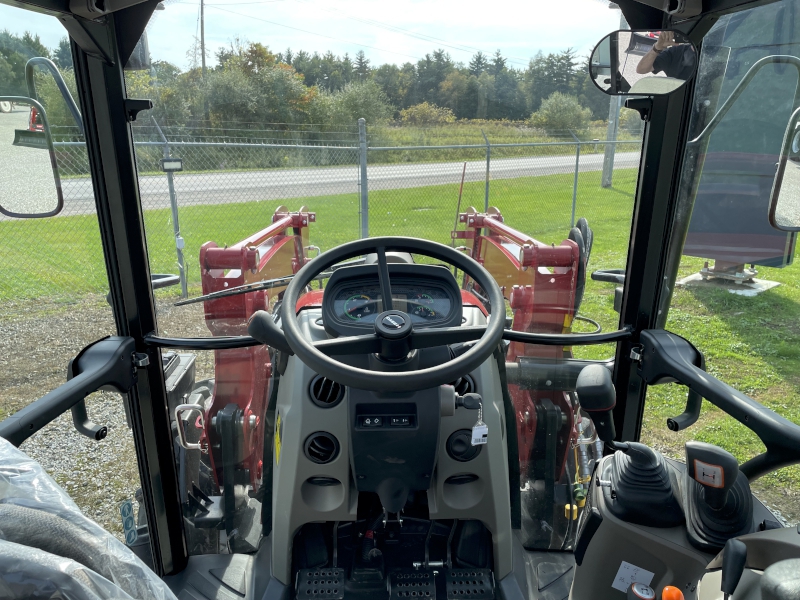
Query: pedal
point(475, 584)
point(326, 583)
point(412, 583)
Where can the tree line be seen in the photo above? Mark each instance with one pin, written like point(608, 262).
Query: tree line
point(252, 84)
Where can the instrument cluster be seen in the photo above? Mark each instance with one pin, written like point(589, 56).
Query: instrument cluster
point(428, 294)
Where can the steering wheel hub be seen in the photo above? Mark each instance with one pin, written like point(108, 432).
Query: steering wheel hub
point(393, 325)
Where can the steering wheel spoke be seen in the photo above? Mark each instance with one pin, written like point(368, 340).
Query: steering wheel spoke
point(355, 344)
point(430, 338)
point(383, 278)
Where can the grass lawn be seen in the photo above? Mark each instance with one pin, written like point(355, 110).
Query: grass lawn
point(750, 343)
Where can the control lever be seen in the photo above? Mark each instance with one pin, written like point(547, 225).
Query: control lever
point(734, 558)
point(713, 468)
point(718, 502)
point(598, 397)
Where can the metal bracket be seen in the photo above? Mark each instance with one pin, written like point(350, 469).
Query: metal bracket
point(644, 106)
point(636, 354)
point(141, 360)
point(134, 106)
point(181, 408)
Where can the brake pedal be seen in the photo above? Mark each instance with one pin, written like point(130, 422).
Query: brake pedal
point(475, 584)
point(405, 584)
point(326, 583)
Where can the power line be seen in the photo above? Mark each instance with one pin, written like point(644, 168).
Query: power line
point(417, 35)
point(313, 32)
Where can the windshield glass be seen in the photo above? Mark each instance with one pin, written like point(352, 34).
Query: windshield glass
point(282, 131)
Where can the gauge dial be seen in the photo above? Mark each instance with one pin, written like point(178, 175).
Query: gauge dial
point(359, 306)
point(421, 305)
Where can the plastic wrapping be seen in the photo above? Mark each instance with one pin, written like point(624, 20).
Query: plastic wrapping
point(27, 572)
point(40, 523)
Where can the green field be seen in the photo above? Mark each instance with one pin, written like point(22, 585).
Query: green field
point(750, 343)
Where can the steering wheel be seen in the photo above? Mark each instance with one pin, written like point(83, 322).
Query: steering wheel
point(394, 335)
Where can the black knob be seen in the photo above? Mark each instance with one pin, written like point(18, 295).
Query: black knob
point(597, 396)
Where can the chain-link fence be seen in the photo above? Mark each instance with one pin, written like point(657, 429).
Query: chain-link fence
point(223, 185)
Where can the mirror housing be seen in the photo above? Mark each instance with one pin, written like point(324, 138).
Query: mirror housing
point(642, 63)
point(139, 59)
point(784, 202)
point(38, 193)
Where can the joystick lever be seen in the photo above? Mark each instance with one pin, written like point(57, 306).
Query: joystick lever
point(713, 468)
point(598, 397)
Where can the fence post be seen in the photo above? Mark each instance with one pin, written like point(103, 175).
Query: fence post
point(173, 203)
point(488, 162)
point(575, 181)
point(611, 136)
point(362, 144)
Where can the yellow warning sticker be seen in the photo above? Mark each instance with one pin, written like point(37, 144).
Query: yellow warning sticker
point(278, 427)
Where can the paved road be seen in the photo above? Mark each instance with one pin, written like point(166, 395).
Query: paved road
point(26, 178)
point(277, 184)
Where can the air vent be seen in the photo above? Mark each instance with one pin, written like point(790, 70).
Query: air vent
point(321, 447)
point(325, 392)
point(464, 385)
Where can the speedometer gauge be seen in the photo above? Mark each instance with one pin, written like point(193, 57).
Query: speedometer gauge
point(359, 306)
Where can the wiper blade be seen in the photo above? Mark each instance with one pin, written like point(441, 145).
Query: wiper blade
point(263, 285)
point(239, 289)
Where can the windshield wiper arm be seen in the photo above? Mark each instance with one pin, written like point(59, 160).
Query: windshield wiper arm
point(264, 285)
point(249, 287)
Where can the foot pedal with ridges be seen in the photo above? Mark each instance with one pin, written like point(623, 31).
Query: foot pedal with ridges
point(469, 584)
point(326, 583)
point(412, 584)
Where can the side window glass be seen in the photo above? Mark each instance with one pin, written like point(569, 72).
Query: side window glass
point(53, 282)
point(738, 286)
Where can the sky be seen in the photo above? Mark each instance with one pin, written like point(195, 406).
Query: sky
point(395, 31)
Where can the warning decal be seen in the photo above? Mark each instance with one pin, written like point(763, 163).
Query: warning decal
point(278, 431)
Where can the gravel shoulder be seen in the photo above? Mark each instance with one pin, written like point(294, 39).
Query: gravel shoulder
point(39, 338)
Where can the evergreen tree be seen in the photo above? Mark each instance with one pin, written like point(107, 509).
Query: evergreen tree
point(361, 66)
point(478, 64)
point(62, 55)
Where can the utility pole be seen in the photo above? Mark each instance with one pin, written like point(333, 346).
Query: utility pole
point(615, 103)
point(203, 36)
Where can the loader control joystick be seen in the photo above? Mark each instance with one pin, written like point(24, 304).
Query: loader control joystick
point(719, 505)
point(637, 479)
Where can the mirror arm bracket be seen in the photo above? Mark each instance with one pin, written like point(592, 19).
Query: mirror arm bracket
point(133, 106)
point(644, 106)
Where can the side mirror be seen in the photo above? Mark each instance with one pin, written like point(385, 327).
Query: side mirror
point(35, 191)
point(139, 59)
point(642, 63)
point(784, 203)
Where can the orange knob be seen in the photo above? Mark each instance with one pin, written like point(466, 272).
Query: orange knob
point(671, 593)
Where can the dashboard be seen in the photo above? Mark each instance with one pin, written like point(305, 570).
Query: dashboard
point(428, 294)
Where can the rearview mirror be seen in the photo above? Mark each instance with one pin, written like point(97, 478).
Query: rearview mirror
point(784, 203)
point(642, 63)
point(30, 186)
